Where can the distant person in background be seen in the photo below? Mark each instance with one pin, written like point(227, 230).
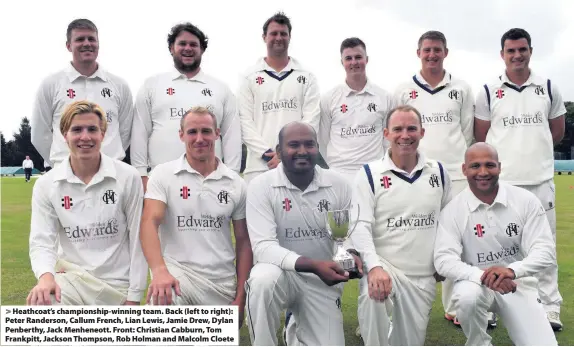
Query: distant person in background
point(28, 166)
point(82, 79)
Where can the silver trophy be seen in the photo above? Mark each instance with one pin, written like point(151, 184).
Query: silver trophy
point(337, 226)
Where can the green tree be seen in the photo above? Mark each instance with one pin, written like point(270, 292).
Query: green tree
point(7, 157)
point(565, 146)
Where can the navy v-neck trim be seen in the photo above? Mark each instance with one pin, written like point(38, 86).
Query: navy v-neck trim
point(271, 74)
point(406, 178)
point(428, 90)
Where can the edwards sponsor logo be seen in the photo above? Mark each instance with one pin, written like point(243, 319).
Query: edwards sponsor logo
point(497, 257)
point(420, 221)
point(92, 231)
point(361, 130)
point(279, 105)
point(299, 234)
point(203, 222)
point(524, 119)
point(438, 117)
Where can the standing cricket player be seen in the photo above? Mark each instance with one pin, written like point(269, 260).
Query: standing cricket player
point(400, 198)
point(447, 108)
point(274, 92)
point(84, 239)
point(492, 238)
point(165, 98)
point(192, 202)
point(520, 109)
point(353, 115)
point(293, 253)
point(82, 79)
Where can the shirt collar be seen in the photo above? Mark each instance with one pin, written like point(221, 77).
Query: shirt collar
point(222, 169)
point(176, 74)
point(73, 74)
point(446, 80)
point(388, 163)
point(533, 79)
point(367, 89)
point(319, 179)
point(291, 65)
point(474, 202)
point(64, 171)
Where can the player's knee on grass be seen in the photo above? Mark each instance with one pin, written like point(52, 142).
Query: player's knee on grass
point(468, 296)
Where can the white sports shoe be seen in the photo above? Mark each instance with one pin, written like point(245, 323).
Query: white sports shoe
point(554, 319)
point(492, 321)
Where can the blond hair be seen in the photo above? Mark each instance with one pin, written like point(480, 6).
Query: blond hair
point(82, 107)
point(199, 110)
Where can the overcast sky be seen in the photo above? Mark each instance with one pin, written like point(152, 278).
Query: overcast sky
point(133, 39)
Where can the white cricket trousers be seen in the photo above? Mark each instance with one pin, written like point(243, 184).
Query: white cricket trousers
point(78, 287)
point(198, 290)
point(522, 313)
point(316, 307)
point(447, 303)
point(548, 279)
point(410, 305)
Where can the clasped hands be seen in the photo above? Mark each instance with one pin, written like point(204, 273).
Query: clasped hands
point(499, 279)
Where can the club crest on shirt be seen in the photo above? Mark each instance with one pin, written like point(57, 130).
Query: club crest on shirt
point(512, 229)
point(302, 79)
point(109, 197)
point(323, 205)
point(106, 92)
point(206, 92)
point(223, 197)
point(433, 181)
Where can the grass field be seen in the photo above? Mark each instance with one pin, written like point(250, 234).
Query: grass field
point(17, 278)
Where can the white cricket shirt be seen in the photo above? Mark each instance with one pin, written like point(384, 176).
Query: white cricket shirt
point(28, 164)
point(519, 128)
point(398, 221)
point(447, 113)
point(59, 90)
point(196, 229)
point(163, 100)
point(512, 232)
point(351, 126)
point(268, 101)
point(97, 224)
point(285, 223)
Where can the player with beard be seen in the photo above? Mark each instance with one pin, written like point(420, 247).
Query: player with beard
point(274, 92)
point(491, 239)
point(82, 79)
point(293, 254)
point(166, 97)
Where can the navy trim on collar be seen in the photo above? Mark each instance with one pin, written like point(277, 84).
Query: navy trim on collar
point(406, 178)
point(515, 87)
point(430, 91)
point(271, 74)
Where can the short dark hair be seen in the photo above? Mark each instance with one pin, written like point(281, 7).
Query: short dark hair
point(279, 18)
point(515, 34)
point(190, 28)
point(403, 108)
point(80, 23)
point(434, 36)
point(352, 42)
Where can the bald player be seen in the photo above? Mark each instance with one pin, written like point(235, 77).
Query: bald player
point(292, 252)
point(492, 238)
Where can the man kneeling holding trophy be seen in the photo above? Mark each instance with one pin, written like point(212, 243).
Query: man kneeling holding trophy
point(400, 198)
point(297, 265)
